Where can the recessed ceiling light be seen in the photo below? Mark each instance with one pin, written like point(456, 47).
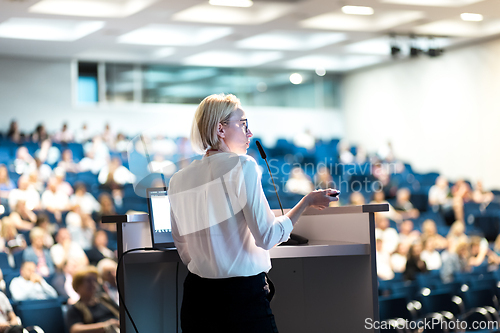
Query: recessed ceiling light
point(320, 71)
point(231, 3)
point(90, 8)
point(357, 10)
point(471, 17)
point(48, 29)
point(296, 78)
point(167, 34)
point(232, 58)
point(288, 40)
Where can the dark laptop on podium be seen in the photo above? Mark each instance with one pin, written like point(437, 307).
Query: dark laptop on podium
point(159, 218)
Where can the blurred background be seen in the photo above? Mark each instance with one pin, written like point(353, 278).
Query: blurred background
point(386, 100)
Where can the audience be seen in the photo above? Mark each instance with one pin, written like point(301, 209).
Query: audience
point(30, 285)
point(107, 272)
point(67, 250)
point(414, 264)
point(455, 260)
point(299, 182)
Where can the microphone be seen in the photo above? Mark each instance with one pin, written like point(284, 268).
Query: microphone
point(264, 157)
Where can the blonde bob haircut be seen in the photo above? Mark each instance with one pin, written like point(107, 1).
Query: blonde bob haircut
point(213, 110)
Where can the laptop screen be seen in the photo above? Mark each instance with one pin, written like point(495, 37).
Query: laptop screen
point(159, 217)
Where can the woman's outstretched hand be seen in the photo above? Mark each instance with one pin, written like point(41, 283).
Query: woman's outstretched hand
point(320, 199)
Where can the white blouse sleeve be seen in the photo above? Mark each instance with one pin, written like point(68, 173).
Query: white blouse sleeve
point(267, 229)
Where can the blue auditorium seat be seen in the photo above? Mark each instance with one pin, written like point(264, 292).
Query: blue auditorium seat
point(394, 307)
point(46, 314)
point(77, 150)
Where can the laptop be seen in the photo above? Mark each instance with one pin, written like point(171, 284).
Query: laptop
point(159, 218)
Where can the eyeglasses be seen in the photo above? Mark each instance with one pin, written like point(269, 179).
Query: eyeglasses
point(245, 125)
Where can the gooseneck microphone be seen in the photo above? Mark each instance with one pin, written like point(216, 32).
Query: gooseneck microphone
point(264, 157)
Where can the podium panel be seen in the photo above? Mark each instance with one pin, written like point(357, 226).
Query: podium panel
point(327, 285)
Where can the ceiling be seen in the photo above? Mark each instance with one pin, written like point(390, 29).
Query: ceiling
point(296, 34)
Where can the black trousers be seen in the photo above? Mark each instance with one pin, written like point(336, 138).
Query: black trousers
point(232, 305)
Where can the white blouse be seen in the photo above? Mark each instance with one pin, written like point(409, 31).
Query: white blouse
point(222, 224)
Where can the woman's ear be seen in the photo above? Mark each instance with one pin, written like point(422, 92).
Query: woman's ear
point(220, 131)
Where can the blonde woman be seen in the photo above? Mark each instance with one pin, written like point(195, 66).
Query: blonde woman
point(223, 226)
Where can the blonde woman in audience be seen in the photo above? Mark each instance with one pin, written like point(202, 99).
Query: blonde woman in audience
point(299, 182)
point(24, 192)
point(88, 204)
point(479, 195)
point(429, 230)
point(24, 162)
point(479, 249)
point(13, 240)
point(456, 235)
point(404, 206)
point(454, 260)
point(81, 226)
point(54, 200)
point(23, 218)
point(430, 256)
point(399, 258)
point(356, 199)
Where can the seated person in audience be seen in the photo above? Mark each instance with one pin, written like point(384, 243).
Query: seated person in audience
point(461, 193)
point(107, 271)
point(24, 162)
point(35, 182)
point(67, 250)
point(83, 135)
point(399, 258)
point(100, 248)
point(323, 179)
point(63, 281)
point(14, 134)
point(24, 192)
point(479, 195)
point(384, 269)
point(62, 184)
point(44, 171)
point(122, 145)
point(43, 222)
point(407, 234)
point(392, 214)
point(94, 312)
point(299, 182)
point(30, 285)
point(456, 235)
point(108, 137)
point(81, 227)
point(88, 204)
point(64, 135)
point(67, 163)
point(55, 201)
point(381, 173)
point(430, 256)
point(48, 153)
point(89, 163)
point(344, 151)
point(107, 208)
point(404, 206)
point(454, 260)
point(356, 199)
point(12, 240)
point(39, 134)
point(6, 184)
point(429, 230)
point(389, 236)
point(115, 175)
point(9, 322)
point(414, 264)
point(23, 218)
point(38, 254)
point(441, 200)
point(3, 284)
point(479, 249)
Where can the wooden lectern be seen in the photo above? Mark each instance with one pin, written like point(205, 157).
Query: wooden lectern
point(328, 285)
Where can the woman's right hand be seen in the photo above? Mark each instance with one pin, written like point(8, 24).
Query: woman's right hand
point(320, 199)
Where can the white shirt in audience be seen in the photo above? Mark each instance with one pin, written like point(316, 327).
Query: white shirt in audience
point(390, 238)
point(398, 262)
point(384, 269)
point(432, 259)
point(88, 204)
point(58, 200)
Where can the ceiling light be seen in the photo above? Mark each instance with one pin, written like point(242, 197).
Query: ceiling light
point(357, 10)
point(48, 29)
point(90, 8)
point(320, 71)
point(231, 58)
point(471, 17)
point(231, 3)
point(296, 78)
point(287, 40)
point(166, 34)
